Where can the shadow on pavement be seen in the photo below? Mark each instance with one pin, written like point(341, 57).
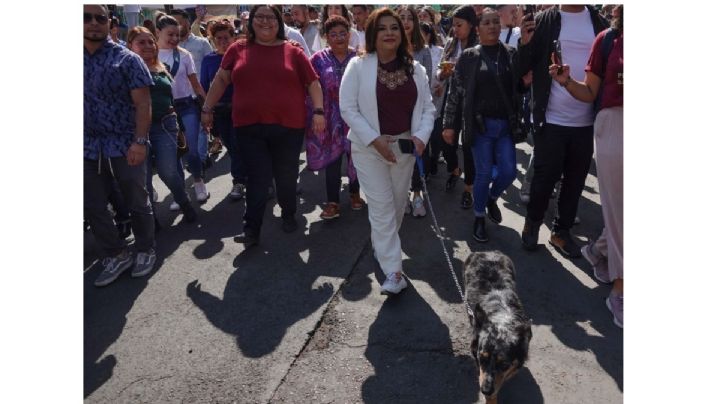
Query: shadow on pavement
point(276, 283)
point(104, 317)
point(411, 351)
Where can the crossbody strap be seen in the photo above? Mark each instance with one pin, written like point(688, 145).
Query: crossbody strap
point(176, 63)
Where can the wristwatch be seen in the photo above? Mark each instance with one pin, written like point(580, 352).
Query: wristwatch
point(142, 141)
point(318, 111)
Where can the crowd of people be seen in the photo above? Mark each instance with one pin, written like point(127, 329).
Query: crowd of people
point(376, 85)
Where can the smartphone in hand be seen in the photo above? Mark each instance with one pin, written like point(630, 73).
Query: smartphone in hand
point(557, 59)
point(406, 146)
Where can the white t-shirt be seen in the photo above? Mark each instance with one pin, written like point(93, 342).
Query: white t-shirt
point(295, 35)
point(198, 47)
point(181, 87)
point(576, 39)
point(361, 37)
point(514, 36)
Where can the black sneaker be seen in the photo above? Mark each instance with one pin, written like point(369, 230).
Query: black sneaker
point(493, 211)
point(289, 224)
point(563, 242)
point(451, 182)
point(479, 232)
point(530, 234)
point(247, 237)
point(466, 202)
point(189, 213)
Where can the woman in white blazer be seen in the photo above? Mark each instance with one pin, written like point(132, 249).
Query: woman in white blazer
point(385, 99)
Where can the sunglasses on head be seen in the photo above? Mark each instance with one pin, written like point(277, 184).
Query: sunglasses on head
point(101, 19)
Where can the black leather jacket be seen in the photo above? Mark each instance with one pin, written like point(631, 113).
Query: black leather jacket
point(460, 113)
point(535, 56)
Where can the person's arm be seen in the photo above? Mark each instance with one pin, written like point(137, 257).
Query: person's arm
point(526, 45)
point(350, 103)
point(316, 95)
point(217, 89)
point(585, 91)
point(143, 115)
point(453, 102)
point(195, 83)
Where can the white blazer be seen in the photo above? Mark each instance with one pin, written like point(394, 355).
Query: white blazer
point(358, 101)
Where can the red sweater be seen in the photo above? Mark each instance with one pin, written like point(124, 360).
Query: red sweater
point(269, 82)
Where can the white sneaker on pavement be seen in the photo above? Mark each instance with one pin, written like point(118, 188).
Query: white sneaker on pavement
point(394, 284)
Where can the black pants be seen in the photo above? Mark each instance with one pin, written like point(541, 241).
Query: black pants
point(450, 152)
point(560, 151)
point(333, 180)
point(269, 151)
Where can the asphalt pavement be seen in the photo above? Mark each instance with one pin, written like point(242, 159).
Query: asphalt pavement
point(300, 318)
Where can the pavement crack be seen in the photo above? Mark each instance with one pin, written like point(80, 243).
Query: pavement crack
point(319, 323)
point(144, 378)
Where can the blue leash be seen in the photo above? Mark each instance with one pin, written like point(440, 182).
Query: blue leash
point(438, 232)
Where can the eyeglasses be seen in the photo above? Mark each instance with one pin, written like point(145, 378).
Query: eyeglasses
point(267, 18)
point(334, 35)
point(101, 19)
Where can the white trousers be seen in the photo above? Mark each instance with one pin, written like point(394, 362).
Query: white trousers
point(386, 187)
point(609, 159)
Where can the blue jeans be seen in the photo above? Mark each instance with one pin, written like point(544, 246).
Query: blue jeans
point(163, 152)
point(222, 122)
point(494, 147)
point(197, 140)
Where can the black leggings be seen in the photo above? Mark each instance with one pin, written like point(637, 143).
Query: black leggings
point(333, 181)
point(450, 152)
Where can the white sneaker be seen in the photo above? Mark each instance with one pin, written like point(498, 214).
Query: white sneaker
point(174, 206)
point(237, 192)
point(418, 207)
point(201, 193)
point(394, 284)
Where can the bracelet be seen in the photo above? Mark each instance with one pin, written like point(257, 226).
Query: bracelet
point(206, 110)
point(567, 83)
point(318, 111)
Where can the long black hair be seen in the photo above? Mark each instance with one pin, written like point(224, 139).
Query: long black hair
point(467, 13)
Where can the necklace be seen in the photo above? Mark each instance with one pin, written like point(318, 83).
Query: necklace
point(392, 80)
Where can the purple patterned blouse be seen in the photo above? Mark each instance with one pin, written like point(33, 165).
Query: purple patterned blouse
point(327, 147)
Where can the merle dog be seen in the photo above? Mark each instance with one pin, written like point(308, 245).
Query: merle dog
point(501, 329)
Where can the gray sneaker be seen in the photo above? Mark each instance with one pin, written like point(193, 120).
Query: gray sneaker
point(598, 262)
point(418, 207)
point(114, 266)
point(144, 263)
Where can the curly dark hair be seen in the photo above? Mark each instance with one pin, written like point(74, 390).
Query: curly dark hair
point(345, 14)
point(335, 21)
point(403, 53)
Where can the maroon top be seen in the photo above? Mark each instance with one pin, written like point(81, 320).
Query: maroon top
point(270, 83)
point(612, 95)
point(395, 107)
